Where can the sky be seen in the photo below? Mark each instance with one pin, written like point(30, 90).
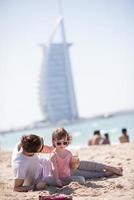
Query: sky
point(102, 37)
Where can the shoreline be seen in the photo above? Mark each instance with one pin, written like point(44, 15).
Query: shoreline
point(46, 124)
point(115, 187)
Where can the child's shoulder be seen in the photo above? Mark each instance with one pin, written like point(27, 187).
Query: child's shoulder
point(68, 152)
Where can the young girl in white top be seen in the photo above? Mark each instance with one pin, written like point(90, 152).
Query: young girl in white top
point(29, 169)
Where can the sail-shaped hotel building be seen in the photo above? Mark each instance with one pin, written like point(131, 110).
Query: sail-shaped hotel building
point(56, 90)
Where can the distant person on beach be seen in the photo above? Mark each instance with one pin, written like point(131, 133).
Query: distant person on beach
point(106, 139)
point(96, 138)
point(31, 172)
point(124, 137)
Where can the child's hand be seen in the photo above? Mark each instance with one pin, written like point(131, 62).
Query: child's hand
point(59, 183)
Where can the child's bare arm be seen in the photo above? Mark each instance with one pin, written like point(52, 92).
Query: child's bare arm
point(55, 171)
point(47, 149)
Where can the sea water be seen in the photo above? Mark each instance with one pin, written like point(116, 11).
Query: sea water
point(81, 132)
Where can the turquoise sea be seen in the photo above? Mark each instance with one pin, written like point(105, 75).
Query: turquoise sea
point(81, 132)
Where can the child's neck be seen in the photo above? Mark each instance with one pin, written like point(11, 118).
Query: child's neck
point(60, 151)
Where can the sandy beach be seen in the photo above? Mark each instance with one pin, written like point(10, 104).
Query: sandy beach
point(115, 187)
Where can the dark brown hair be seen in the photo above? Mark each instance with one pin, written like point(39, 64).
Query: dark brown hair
point(60, 133)
point(30, 143)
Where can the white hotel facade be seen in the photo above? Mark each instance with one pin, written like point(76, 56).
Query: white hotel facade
point(56, 91)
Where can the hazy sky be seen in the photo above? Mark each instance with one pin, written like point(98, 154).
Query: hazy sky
point(102, 33)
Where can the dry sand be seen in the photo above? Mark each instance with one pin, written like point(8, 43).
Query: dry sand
point(117, 188)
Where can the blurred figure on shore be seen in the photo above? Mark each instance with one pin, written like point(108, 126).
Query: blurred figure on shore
point(124, 137)
point(106, 139)
point(96, 138)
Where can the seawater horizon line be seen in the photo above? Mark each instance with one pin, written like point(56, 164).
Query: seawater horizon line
point(65, 122)
point(81, 132)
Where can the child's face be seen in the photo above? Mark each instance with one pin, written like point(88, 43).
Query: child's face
point(62, 143)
